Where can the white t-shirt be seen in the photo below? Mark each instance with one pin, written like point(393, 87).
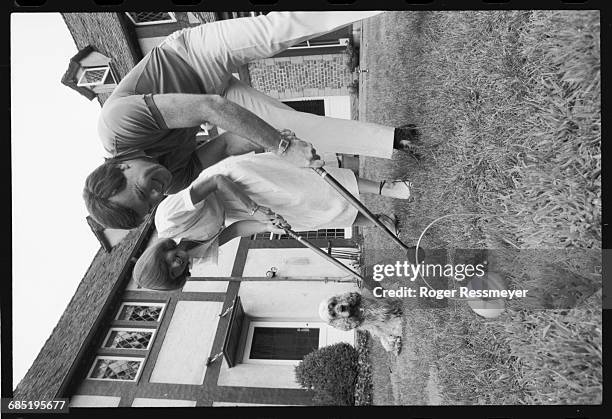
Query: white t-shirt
point(177, 218)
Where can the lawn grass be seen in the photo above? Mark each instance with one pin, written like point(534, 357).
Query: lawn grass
point(524, 357)
point(509, 106)
point(520, 98)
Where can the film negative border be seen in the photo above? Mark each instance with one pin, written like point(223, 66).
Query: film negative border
point(124, 5)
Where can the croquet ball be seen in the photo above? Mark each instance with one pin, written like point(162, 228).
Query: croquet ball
point(488, 307)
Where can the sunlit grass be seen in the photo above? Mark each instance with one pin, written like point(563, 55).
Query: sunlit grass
point(509, 108)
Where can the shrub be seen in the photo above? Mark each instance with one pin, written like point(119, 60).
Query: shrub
point(331, 372)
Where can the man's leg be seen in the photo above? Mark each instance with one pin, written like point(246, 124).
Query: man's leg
point(217, 49)
point(326, 134)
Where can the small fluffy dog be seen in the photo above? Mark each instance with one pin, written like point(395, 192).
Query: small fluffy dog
point(381, 317)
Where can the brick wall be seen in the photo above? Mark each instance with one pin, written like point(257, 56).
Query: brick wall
point(304, 76)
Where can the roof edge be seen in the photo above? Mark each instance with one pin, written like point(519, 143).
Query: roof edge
point(119, 286)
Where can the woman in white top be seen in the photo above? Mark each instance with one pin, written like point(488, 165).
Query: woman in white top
point(261, 192)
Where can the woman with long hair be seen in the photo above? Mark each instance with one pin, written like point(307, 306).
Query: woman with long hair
point(260, 192)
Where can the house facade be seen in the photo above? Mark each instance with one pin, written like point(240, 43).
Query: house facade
point(234, 333)
point(310, 77)
point(231, 336)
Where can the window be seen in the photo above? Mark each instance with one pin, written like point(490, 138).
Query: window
point(140, 312)
point(126, 338)
point(282, 342)
point(96, 76)
point(321, 43)
point(328, 233)
point(150, 18)
point(115, 368)
point(120, 339)
point(313, 106)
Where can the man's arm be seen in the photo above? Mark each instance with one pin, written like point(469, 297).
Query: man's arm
point(181, 110)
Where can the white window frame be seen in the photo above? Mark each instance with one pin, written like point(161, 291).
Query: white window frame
point(156, 22)
point(325, 99)
point(289, 325)
point(342, 42)
point(97, 83)
point(130, 329)
point(130, 358)
point(140, 303)
point(348, 234)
